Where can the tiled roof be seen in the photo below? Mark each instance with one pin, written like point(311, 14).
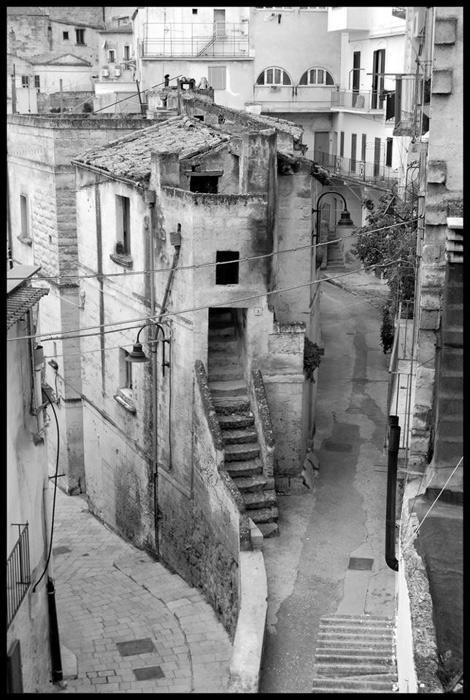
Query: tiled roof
point(20, 300)
point(130, 155)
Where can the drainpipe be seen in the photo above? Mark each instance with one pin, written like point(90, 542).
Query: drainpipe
point(56, 659)
point(393, 446)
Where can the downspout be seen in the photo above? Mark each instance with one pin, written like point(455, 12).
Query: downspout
point(393, 446)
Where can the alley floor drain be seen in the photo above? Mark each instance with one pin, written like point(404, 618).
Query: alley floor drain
point(135, 646)
point(337, 446)
point(147, 673)
point(360, 563)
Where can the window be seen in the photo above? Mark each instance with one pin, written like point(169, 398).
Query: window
point(25, 81)
point(363, 147)
point(377, 146)
point(353, 152)
point(207, 184)
point(80, 36)
point(37, 81)
point(274, 76)
point(124, 393)
point(126, 53)
point(65, 36)
point(111, 56)
point(194, 10)
point(228, 273)
point(341, 143)
point(316, 76)
point(217, 76)
point(388, 152)
point(378, 70)
point(123, 239)
point(24, 216)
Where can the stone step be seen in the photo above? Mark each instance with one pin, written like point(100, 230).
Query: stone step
point(347, 669)
point(228, 387)
point(353, 685)
point(259, 499)
point(360, 621)
point(222, 373)
point(247, 451)
point(253, 483)
point(227, 405)
point(368, 634)
point(235, 421)
point(224, 345)
point(347, 656)
point(268, 529)
point(220, 358)
point(245, 468)
point(263, 515)
point(221, 332)
point(237, 437)
point(359, 646)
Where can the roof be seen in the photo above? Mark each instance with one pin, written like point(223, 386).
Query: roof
point(130, 156)
point(20, 10)
point(57, 58)
point(20, 300)
point(17, 275)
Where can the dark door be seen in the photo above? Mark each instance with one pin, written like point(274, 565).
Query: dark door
point(219, 22)
point(353, 152)
point(356, 75)
point(376, 157)
point(378, 69)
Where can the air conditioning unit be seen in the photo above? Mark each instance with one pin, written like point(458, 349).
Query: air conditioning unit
point(105, 73)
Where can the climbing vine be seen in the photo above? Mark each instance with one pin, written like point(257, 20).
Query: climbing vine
point(312, 358)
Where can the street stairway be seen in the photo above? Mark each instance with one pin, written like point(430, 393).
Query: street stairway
point(355, 654)
point(232, 404)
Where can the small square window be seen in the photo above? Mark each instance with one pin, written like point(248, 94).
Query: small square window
point(125, 370)
point(80, 36)
point(194, 10)
point(65, 36)
point(111, 56)
point(227, 273)
point(37, 81)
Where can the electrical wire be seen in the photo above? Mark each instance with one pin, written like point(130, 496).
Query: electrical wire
point(213, 264)
point(55, 490)
point(59, 335)
point(137, 92)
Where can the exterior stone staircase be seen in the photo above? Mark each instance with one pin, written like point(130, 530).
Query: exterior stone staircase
point(355, 654)
point(335, 259)
point(232, 404)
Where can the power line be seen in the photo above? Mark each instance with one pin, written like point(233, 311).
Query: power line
point(59, 335)
point(212, 264)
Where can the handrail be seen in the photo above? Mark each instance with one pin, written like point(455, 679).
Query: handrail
point(359, 169)
point(18, 572)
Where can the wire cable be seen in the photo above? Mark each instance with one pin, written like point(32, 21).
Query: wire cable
point(60, 335)
point(55, 490)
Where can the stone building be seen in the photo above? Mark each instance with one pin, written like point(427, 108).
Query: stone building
point(42, 232)
point(206, 203)
point(431, 566)
point(27, 531)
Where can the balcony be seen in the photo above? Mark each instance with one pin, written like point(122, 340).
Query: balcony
point(195, 40)
point(361, 102)
point(401, 379)
point(18, 572)
point(292, 98)
point(369, 173)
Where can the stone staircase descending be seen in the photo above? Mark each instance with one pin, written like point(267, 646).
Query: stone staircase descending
point(355, 654)
point(232, 404)
point(335, 259)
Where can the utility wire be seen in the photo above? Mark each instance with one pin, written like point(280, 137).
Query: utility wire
point(212, 264)
point(136, 93)
point(59, 335)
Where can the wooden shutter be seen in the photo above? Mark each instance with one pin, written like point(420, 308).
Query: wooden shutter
point(217, 77)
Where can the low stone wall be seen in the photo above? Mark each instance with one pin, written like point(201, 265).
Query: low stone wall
point(259, 405)
point(69, 100)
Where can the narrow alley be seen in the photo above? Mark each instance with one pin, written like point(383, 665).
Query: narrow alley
point(127, 624)
point(331, 593)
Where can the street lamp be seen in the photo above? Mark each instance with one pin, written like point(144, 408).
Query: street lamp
point(138, 355)
point(345, 220)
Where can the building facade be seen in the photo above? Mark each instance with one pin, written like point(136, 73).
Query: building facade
point(27, 532)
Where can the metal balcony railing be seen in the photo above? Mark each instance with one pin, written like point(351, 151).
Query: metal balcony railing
point(362, 101)
point(400, 385)
point(220, 39)
point(358, 169)
point(18, 572)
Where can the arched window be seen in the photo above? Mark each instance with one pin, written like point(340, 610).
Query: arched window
point(274, 76)
point(316, 76)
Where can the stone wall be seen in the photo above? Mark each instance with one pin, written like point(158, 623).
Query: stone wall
point(69, 101)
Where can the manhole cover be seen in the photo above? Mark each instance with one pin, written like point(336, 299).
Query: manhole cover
point(135, 646)
point(337, 446)
point(147, 673)
point(60, 550)
point(360, 563)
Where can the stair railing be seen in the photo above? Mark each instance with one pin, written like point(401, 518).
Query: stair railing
point(262, 416)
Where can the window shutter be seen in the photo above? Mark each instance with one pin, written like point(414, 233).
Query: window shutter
point(217, 77)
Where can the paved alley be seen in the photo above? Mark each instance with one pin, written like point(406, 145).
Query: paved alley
point(132, 625)
point(327, 568)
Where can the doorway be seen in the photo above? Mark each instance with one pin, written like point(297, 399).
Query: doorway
point(219, 23)
point(321, 147)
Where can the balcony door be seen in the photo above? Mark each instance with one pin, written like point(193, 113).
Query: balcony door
point(321, 147)
point(378, 70)
point(219, 23)
point(356, 75)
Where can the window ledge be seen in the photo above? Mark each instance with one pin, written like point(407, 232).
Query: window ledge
point(25, 239)
point(123, 260)
point(123, 397)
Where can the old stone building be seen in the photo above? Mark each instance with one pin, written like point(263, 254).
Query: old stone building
point(185, 224)
point(27, 531)
point(42, 232)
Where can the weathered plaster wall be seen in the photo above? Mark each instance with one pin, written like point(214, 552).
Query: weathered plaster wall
point(26, 497)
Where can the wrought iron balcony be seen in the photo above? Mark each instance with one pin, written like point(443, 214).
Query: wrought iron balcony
point(18, 572)
point(220, 39)
point(358, 169)
point(364, 101)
